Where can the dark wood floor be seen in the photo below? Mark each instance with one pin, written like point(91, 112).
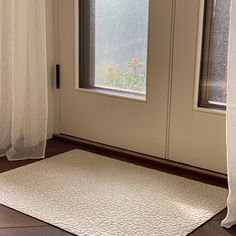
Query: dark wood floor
point(13, 223)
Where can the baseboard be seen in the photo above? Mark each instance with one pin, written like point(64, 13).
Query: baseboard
point(172, 167)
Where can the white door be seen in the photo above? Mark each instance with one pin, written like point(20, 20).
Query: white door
point(197, 135)
point(129, 122)
point(168, 123)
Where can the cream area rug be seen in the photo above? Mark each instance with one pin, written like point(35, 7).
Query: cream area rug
point(92, 195)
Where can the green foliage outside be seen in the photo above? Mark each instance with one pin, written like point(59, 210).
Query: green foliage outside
point(130, 77)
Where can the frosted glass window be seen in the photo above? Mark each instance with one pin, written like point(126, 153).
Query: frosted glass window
point(215, 54)
point(118, 41)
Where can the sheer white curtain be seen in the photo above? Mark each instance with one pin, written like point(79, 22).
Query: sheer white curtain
point(231, 123)
point(23, 80)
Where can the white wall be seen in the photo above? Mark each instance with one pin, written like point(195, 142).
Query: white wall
point(52, 55)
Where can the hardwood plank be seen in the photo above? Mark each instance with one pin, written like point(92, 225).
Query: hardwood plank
point(205, 231)
point(11, 218)
point(30, 231)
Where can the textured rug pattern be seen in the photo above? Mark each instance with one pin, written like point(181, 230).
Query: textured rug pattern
point(92, 195)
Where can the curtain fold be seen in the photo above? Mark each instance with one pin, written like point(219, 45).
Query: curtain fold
point(231, 123)
point(23, 79)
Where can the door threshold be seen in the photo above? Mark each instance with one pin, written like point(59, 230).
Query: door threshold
point(184, 170)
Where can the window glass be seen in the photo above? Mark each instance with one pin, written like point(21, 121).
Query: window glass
point(215, 53)
point(118, 44)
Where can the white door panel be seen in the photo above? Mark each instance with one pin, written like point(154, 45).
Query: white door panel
point(196, 137)
point(130, 124)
